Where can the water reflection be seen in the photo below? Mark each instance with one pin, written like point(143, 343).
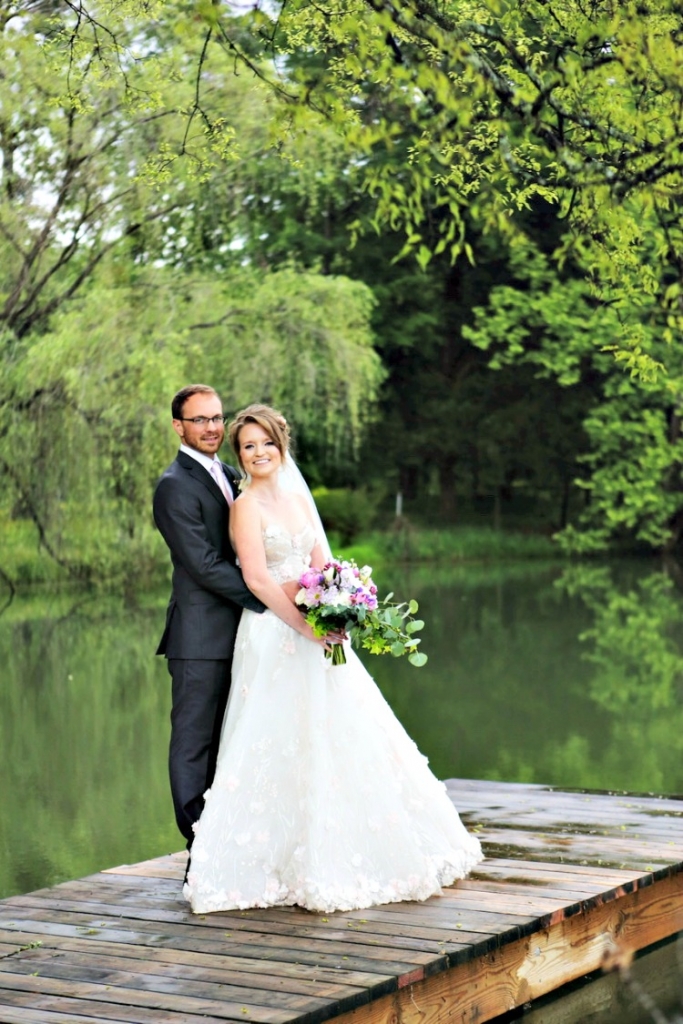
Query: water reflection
point(569, 677)
point(83, 727)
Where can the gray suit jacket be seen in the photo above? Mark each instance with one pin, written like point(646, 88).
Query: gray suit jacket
point(208, 590)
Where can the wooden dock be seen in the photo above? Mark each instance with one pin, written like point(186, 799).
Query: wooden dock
point(570, 879)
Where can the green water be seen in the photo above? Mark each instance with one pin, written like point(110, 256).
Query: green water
point(535, 673)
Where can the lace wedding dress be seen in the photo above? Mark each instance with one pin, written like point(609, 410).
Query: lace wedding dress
point(320, 797)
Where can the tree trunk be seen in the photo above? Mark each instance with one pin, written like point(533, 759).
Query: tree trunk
point(449, 497)
point(564, 504)
point(497, 508)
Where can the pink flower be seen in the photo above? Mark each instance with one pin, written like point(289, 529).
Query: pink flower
point(311, 578)
point(341, 596)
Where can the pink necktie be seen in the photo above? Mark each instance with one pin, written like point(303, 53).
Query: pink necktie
point(219, 476)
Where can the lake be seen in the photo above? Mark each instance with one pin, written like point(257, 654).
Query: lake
point(571, 676)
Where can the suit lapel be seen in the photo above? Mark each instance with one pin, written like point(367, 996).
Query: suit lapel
point(201, 475)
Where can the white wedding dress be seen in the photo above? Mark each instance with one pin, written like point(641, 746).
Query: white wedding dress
point(320, 798)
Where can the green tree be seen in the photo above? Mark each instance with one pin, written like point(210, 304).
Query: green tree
point(448, 426)
point(442, 123)
point(631, 465)
point(474, 108)
point(104, 376)
point(99, 328)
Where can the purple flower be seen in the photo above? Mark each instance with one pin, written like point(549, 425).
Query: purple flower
point(333, 596)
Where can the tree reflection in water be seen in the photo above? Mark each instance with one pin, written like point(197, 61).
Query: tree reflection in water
point(568, 676)
point(634, 645)
point(539, 673)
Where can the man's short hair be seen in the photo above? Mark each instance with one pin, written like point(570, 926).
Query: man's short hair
point(179, 399)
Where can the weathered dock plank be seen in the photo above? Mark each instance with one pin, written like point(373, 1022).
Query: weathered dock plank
point(568, 877)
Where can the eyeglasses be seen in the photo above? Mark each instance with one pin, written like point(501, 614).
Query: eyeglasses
point(203, 421)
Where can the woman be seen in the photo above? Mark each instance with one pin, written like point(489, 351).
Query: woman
point(320, 798)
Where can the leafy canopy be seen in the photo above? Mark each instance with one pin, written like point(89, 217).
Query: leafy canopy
point(460, 112)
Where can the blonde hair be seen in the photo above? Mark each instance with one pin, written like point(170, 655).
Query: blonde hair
point(270, 420)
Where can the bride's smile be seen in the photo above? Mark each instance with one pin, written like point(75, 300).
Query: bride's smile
point(259, 454)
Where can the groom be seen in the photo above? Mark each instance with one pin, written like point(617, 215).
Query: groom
point(191, 509)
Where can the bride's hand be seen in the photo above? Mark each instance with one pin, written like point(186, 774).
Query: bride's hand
point(291, 589)
point(327, 641)
point(330, 639)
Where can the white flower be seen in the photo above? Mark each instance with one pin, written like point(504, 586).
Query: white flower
point(328, 574)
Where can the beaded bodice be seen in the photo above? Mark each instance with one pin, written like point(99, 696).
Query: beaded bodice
point(287, 554)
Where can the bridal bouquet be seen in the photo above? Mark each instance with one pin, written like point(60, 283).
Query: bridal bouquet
point(340, 596)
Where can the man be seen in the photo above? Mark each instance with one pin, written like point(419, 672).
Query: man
point(191, 509)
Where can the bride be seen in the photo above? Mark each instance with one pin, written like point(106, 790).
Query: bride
point(320, 798)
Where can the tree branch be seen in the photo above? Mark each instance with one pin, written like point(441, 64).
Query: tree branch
point(33, 513)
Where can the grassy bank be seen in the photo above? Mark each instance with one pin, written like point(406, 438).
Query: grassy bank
point(85, 556)
point(447, 546)
point(23, 560)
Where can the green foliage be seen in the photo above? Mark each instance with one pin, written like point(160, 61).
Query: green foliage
point(469, 112)
point(103, 316)
point(528, 158)
point(633, 641)
point(346, 513)
point(99, 384)
point(387, 629)
point(633, 458)
point(390, 629)
point(417, 544)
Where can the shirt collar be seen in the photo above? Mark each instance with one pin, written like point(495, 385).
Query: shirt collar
point(204, 460)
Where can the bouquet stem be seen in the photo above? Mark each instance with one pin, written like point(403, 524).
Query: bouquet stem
point(337, 654)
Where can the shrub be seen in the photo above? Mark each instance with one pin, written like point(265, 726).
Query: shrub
point(345, 512)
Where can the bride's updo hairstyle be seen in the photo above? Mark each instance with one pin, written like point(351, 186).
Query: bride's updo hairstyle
point(270, 420)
